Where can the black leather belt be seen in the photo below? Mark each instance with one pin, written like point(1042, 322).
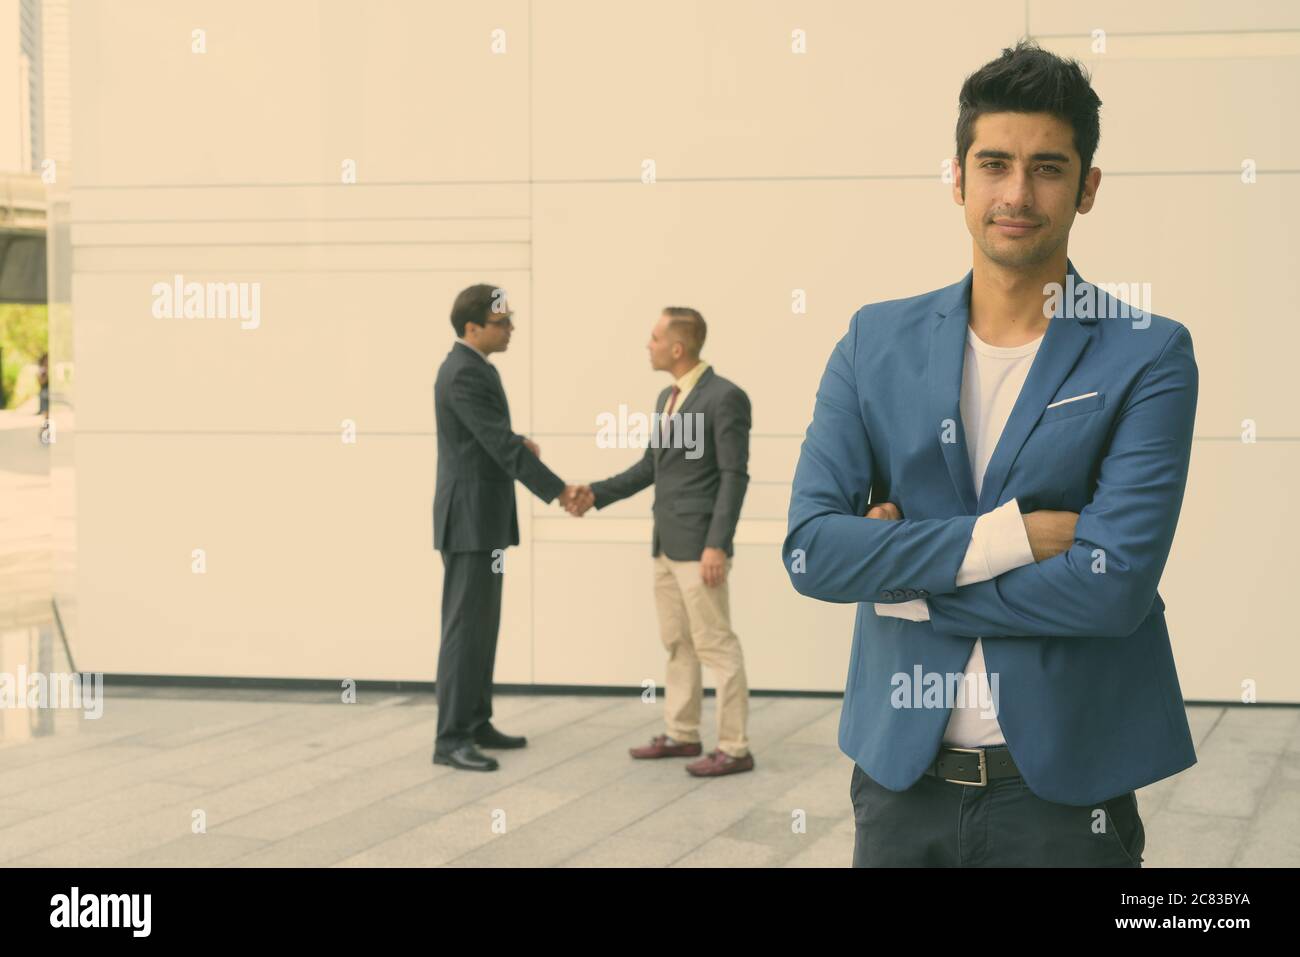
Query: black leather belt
point(973, 766)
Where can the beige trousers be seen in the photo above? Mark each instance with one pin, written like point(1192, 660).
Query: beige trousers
point(695, 626)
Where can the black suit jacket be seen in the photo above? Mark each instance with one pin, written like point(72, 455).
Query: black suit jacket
point(479, 458)
point(697, 500)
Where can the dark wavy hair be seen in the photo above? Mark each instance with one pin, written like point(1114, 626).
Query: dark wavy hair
point(1029, 79)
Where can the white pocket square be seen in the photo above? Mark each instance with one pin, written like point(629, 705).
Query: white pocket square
point(1073, 398)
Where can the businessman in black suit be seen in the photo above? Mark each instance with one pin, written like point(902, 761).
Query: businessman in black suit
point(474, 521)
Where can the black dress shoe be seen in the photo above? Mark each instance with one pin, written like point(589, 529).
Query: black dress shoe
point(489, 737)
point(467, 758)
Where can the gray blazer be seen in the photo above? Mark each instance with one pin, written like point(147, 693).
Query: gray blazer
point(697, 500)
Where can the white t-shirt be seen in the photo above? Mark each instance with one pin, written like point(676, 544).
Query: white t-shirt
point(992, 377)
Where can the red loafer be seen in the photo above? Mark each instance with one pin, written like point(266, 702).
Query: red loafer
point(660, 748)
point(717, 763)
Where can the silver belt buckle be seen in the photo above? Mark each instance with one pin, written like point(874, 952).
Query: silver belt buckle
point(984, 768)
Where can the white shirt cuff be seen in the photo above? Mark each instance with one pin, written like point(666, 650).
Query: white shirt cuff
point(998, 543)
point(918, 609)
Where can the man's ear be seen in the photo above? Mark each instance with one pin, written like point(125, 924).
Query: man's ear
point(1090, 184)
point(957, 196)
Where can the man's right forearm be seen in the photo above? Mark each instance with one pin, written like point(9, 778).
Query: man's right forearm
point(998, 543)
point(478, 404)
point(832, 551)
point(849, 558)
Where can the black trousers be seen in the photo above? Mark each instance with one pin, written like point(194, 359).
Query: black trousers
point(471, 617)
point(937, 823)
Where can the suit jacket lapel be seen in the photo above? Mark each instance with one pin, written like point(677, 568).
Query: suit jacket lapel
point(1063, 344)
point(691, 398)
point(660, 405)
point(468, 354)
point(694, 394)
point(947, 354)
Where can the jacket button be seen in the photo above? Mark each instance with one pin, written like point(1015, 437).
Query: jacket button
point(911, 593)
point(885, 595)
point(899, 594)
point(922, 593)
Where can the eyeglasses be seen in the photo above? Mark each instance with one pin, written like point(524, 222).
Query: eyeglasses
point(507, 321)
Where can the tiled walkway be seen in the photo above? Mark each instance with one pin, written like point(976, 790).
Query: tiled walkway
point(295, 778)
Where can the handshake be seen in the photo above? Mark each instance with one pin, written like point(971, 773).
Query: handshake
point(576, 499)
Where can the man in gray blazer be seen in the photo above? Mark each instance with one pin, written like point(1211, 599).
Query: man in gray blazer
point(697, 460)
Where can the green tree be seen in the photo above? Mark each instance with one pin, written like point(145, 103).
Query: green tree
point(24, 338)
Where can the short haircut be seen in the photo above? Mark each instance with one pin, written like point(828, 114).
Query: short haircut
point(688, 326)
point(1029, 79)
point(473, 305)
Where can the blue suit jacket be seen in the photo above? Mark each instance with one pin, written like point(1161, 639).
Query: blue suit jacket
point(1089, 699)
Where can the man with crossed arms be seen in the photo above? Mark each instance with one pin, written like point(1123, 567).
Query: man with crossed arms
point(1024, 463)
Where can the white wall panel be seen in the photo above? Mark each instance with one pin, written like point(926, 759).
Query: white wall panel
point(1160, 16)
point(777, 172)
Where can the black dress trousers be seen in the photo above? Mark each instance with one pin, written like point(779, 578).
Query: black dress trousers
point(471, 617)
point(937, 823)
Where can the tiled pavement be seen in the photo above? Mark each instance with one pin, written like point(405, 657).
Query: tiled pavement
point(287, 778)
